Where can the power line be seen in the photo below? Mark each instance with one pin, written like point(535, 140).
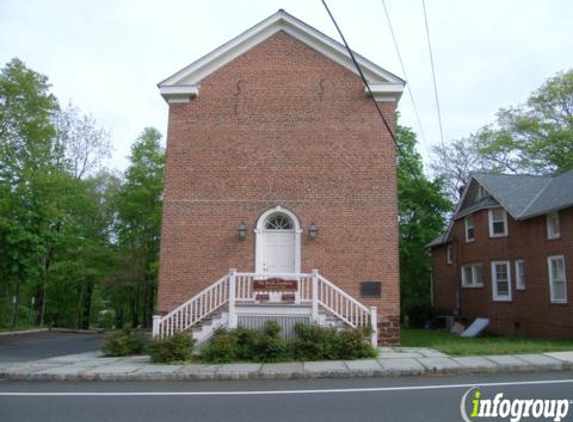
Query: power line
point(433, 73)
point(408, 85)
point(392, 135)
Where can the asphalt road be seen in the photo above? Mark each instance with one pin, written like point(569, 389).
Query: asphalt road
point(328, 400)
point(33, 346)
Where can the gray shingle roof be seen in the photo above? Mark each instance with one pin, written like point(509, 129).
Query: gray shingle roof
point(440, 240)
point(526, 196)
point(514, 192)
point(558, 194)
point(522, 196)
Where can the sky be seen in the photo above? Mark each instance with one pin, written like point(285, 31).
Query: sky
point(107, 56)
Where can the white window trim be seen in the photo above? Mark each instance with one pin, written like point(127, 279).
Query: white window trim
point(496, 296)
point(449, 254)
point(474, 283)
point(505, 225)
point(551, 293)
point(468, 239)
point(519, 286)
point(550, 234)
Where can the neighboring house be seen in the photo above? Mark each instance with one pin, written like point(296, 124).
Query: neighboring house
point(278, 164)
point(508, 255)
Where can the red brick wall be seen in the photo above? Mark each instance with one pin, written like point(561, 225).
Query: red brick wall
point(281, 125)
point(444, 276)
point(530, 308)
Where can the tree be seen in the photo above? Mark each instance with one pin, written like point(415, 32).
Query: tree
point(28, 175)
point(422, 207)
point(537, 137)
point(534, 138)
point(54, 221)
point(139, 222)
point(455, 162)
point(84, 145)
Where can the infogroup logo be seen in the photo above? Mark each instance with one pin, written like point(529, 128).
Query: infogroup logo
point(512, 409)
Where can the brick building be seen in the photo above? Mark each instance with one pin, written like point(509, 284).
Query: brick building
point(508, 255)
point(277, 165)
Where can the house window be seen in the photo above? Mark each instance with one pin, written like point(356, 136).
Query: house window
point(553, 230)
point(480, 192)
point(557, 284)
point(469, 220)
point(501, 281)
point(497, 222)
point(472, 275)
point(519, 275)
point(450, 254)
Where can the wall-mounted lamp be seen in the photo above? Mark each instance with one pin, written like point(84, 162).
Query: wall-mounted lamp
point(312, 231)
point(242, 231)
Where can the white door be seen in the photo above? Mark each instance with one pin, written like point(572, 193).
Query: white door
point(279, 254)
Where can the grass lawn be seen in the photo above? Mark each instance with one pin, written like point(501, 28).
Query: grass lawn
point(453, 344)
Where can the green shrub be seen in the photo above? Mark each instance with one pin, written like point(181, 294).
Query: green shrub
point(177, 348)
point(122, 343)
point(222, 348)
point(313, 342)
point(269, 346)
point(325, 343)
point(246, 341)
point(354, 344)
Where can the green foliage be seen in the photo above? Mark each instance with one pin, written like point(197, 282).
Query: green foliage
point(422, 209)
point(138, 227)
point(246, 342)
point(313, 342)
point(177, 348)
point(536, 137)
point(122, 343)
point(74, 238)
point(222, 348)
point(531, 138)
point(269, 346)
point(265, 345)
point(353, 344)
point(324, 343)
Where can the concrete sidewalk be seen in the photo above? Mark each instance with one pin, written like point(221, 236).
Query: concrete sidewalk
point(391, 362)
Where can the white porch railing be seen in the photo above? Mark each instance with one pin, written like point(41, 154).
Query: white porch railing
point(312, 289)
point(194, 310)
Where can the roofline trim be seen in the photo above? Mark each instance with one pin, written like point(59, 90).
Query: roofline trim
point(281, 21)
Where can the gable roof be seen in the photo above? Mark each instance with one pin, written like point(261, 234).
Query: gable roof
point(184, 84)
point(512, 192)
point(522, 196)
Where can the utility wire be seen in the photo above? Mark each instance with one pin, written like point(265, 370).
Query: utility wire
point(392, 135)
point(433, 73)
point(408, 85)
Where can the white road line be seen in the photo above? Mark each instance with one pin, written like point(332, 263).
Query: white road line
point(286, 392)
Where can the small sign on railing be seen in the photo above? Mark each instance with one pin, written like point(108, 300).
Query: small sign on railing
point(275, 285)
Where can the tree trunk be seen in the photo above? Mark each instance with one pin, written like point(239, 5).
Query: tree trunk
point(16, 304)
point(87, 304)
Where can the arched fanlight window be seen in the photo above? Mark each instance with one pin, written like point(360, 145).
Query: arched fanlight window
point(279, 222)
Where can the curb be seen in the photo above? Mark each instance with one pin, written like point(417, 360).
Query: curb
point(49, 330)
point(260, 374)
point(31, 331)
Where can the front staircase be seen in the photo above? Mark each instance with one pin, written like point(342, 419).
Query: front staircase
point(251, 299)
